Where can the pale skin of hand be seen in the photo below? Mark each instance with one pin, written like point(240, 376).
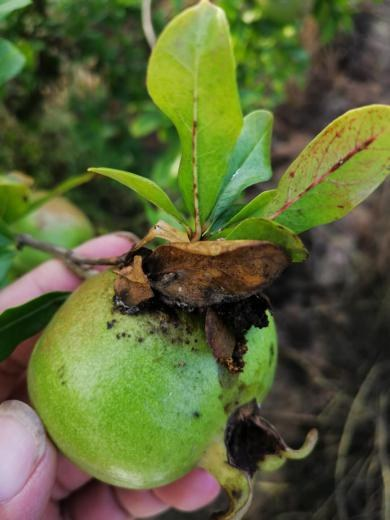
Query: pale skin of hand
point(37, 482)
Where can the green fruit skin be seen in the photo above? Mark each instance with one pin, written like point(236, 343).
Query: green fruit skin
point(285, 11)
point(136, 403)
point(58, 222)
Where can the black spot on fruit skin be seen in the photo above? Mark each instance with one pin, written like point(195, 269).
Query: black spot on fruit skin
point(237, 493)
point(196, 415)
point(61, 375)
point(110, 324)
point(272, 354)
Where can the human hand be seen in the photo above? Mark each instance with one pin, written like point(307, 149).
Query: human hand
point(37, 482)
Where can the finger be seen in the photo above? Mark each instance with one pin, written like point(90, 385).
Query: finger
point(12, 369)
point(191, 492)
point(141, 504)
point(28, 463)
point(52, 511)
point(54, 276)
point(97, 501)
point(68, 478)
point(50, 276)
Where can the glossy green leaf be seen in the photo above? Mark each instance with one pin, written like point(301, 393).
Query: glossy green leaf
point(220, 222)
point(261, 229)
point(61, 189)
point(6, 234)
point(13, 199)
point(254, 208)
point(344, 164)
point(6, 257)
point(8, 6)
point(191, 78)
point(7, 253)
point(20, 323)
point(250, 161)
point(11, 60)
point(144, 187)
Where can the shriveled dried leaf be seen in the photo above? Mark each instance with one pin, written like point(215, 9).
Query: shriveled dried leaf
point(132, 286)
point(220, 338)
point(164, 231)
point(201, 274)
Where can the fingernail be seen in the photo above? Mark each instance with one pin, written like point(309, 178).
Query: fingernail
point(22, 445)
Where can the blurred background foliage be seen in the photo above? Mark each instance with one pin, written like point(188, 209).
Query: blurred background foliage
point(81, 101)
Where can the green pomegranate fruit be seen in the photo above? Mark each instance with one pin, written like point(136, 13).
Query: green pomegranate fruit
point(285, 11)
point(136, 400)
point(58, 222)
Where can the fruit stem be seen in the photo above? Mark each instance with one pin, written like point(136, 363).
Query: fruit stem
point(236, 483)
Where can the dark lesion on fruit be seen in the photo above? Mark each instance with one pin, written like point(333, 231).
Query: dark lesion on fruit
point(110, 324)
point(221, 281)
point(250, 439)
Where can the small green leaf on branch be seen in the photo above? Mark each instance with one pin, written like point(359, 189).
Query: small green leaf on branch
point(342, 166)
point(191, 78)
point(250, 161)
point(146, 188)
point(262, 229)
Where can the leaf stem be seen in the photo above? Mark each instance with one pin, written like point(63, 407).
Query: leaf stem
point(147, 23)
point(78, 264)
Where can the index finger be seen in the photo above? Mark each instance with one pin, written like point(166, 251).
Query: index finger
point(54, 276)
point(50, 276)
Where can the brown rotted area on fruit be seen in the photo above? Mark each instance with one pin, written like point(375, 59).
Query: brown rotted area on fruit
point(222, 281)
point(249, 439)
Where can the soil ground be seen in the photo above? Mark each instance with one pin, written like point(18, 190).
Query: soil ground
point(333, 314)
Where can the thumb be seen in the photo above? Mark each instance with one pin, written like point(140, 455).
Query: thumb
point(27, 463)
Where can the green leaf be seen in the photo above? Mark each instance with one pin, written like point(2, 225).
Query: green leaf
point(6, 234)
point(261, 229)
point(13, 199)
point(20, 323)
point(144, 187)
point(344, 164)
point(191, 78)
point(6, 257)
point(62, 188)
point(11, 61)
point(8, 6)
point(254, 208)
point(250, 161)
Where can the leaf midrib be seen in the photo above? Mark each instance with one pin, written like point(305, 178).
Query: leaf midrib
point(341, 162)
point(32, 312)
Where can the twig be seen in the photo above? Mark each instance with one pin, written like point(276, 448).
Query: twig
point(147, 22)
point(78, 264)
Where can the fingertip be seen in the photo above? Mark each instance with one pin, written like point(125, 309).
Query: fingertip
point(28, 462)
point(22, 444)
point(194, 491)
point(141, 504)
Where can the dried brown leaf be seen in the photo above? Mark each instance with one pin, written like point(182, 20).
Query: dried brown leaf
point(164, 231)
point(201, 274)
point(132, 286)
point(219, 337)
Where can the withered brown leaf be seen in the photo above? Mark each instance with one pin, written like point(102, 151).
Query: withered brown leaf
point(201, 274)
point(220, 338)
point(228, 349)
point(132, 286)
